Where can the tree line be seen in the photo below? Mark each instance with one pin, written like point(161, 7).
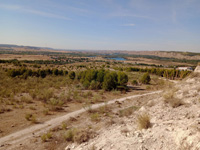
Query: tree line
point(167, 73)
point(24, 72)
point(90, 79)
point(56, 61)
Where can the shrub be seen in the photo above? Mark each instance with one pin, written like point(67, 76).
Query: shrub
point(45, 94)
point(31, 117)
point(72, 75)
point(46, 112)
point(146, 78)
point(134, 82)
point(26, 99)
point(170, 99)
point(143, 121)
point(55, 104)
point(28, 116)
point(127, 111)
point(83, 135)
point(49, 135)
point(64, 126)
point(46, 137)
point(95, 85)
point(95, 117)
point(122, 78)
point(174, 102)
point(86, 84)
point(88, 108)
point(69, 135)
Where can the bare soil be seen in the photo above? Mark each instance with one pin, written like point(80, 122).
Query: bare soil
point(11, 141)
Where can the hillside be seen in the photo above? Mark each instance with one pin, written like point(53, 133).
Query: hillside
point(174, 117)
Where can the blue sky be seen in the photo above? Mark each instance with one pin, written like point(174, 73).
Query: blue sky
point(102, 24)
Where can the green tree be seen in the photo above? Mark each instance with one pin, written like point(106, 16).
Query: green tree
point(122, 78)
point(42, 73)
point(95, 85)
point(100, 75)
point(72, 75)
point(55, 72)
point(110, 81)
point(91, 75)
point(146, 78)
point(86, 84)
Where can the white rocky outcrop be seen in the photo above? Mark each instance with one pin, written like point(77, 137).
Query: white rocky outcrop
point(197, 69)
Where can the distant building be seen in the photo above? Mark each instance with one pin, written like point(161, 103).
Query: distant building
point(185, 68)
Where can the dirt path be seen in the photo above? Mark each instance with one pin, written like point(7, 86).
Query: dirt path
point(18, 137)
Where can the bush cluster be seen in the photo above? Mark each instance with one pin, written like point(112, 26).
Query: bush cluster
point(101, 79)
point(24, 72)
point(167, 73)
point(58, 60)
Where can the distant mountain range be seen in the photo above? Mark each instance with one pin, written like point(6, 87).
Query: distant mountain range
point(22, 46)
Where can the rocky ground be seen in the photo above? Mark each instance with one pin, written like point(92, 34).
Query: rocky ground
point(174, 123)
point(174, 126)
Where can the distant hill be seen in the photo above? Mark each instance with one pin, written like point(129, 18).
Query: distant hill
point(158, 55)
point(22, 46)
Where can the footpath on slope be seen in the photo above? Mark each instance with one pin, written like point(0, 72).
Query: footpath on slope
point(20, 136)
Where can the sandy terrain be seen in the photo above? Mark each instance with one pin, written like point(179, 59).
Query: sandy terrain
point(10, 141)
point(171, 128)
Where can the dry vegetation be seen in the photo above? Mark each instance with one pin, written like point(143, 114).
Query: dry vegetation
point(144, 121)
point(24, 102)
point(38, 99)
point(171, 99)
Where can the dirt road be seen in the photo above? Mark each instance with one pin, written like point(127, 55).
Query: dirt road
point(21, 136)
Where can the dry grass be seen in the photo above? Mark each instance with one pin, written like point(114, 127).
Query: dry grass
point(143, 121)
point(69, 135)
point(105, 110)
point(169, 98)
point(185, 146)
point(83, 135)
point(88, 108)
point(31, 117)
point(79, 135)
point(95, 117)
point(27, 99)
point(127, 111)
point(45, 137)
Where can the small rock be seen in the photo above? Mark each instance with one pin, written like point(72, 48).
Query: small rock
point(2, 145)
point(141, 141)
point(138, 134)
point(127, 134)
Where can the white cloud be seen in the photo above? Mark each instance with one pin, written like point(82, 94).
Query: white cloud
point(33, 11)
